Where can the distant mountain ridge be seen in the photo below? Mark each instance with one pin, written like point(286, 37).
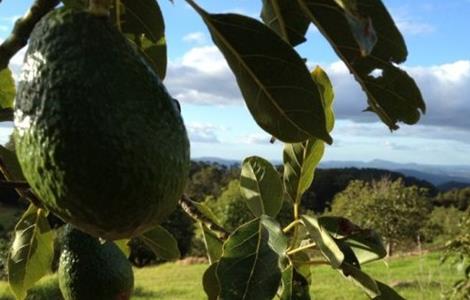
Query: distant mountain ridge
point(444, 177)
point(436, 174)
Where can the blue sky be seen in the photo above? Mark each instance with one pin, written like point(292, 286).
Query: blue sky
point(220, 125)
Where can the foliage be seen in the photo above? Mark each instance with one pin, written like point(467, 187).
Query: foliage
point(395, 211)
point(459, 248)
point(443, 224)
point(329, 182)
point(252, 256)
point(7, 93)
point(209, 179)
point(458, 198)
point(4, 250)
point(230, 209)
point(180, 227)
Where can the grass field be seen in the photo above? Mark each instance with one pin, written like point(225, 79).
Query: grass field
point(415, 277)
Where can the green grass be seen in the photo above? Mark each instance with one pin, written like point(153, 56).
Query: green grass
point(415, 277)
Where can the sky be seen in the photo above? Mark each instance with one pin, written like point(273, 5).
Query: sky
point(219, 124)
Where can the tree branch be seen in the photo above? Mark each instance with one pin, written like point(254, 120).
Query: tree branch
point(14, 184)
point(22, 30)
point(23, 191)
point(191, 210)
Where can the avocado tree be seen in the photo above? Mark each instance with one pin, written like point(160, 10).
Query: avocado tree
point(259, 259)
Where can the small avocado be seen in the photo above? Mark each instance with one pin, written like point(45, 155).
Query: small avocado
point(91, 270)
point(99, 138)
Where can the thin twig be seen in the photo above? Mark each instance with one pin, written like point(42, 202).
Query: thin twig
point(14, 184)
point(189, 208)
point(291, 225)
point(300, 249)
point(23, 28)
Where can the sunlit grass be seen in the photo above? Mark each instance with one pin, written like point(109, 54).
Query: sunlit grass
point(415, 277)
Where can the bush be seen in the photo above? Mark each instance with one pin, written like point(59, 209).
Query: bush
point(443, 224)
point(397, 212)
point(230, 207)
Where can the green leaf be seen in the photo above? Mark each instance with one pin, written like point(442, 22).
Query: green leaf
point(327, 95)
point(286, 18)
point(210, 282)
point(387, 293)
point(123, 245)
point(31, 253)
point(162, 243)
point(294, 285)
point(361, 279)
point(7, 89)
point(299, 261)
point(261, 186)
point(365, 243)
point(393, 95)
point(10, 160)
point(142, 22)
point(205, 212)
point(338, 227)
point(324, 241)
point(213, 244)
point(367, 246)
point(269, 73)
point(249, 266)
point(300, 161)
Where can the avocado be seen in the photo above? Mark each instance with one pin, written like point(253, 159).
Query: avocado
point(98, 137)
point(90, 270)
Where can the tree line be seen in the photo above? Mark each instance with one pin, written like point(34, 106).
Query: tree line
point(350, 192)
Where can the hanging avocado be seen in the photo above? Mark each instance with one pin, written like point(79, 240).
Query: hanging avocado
point(91, 270)
point(98, 137)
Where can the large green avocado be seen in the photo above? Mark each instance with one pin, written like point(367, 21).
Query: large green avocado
point(90, 270)
point(98, 137)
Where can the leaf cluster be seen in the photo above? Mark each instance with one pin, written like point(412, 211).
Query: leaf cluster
point(259, 259)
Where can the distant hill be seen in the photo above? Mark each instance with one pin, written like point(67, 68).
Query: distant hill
point(330, 181)
point(436, 174)
point(450, 185)
point(218, 160)
point(442, 176)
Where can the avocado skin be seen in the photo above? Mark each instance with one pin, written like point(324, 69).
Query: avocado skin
point(98, 137)
point(89, 270)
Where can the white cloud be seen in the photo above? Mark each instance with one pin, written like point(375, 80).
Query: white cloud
point(203, 132)
point(203, 77)
point(446, 90)
point(256, 138)
point(207, 59)
point(195, 37)
point(414, 28)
